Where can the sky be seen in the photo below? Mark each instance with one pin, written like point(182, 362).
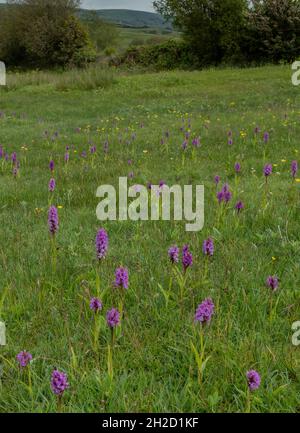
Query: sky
point(137, 5)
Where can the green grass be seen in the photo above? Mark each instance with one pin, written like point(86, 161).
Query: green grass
point(137, 37)
point(90, 78)
point(46, 311)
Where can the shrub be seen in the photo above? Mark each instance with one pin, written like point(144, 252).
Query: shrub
point(43, 33)
point(109, 51)
point(168, 55)
point(136, 42)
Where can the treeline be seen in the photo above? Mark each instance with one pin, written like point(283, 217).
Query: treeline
point(49, 33)
point(236, 31)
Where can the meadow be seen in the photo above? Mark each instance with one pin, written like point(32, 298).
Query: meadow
point(147, 127)
point(129, 37)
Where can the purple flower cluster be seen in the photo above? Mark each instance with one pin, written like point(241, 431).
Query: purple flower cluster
point(113, 318)
point(105, 146)
point(239, 206)
point(237, 167)
point(15, 163)
point(185, 145)
point(24, 358)
point(187, 258)
point(121, 278)
point(294, 169)
point(196, 142)
point(174, 254)
point(96, 305)
point(253, 379)
point(101, 244)
point(14, 158)
point(51, 185)
point(208, 247)
point(272, 282)
point(59, 382)
point(67, 157)
point(93, 150)
point(266, 137)
point(225, 195)
point(51, 166)
point(268, 170)
point(205, 311)
point(53, 220)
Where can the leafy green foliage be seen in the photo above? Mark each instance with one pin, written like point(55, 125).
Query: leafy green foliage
point(102, 33)
point(168, 55)
point(273, 31)
point(211, 28)
point(43, 33)
point(237, 31)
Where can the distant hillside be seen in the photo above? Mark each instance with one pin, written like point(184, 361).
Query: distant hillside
point(128, 18)
point(133, 19)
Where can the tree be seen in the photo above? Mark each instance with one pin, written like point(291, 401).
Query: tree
point(103, 34)
point(43, 33)
point(273, 31)
point(211, 27)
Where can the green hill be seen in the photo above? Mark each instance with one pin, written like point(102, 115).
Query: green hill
point(133, 19)
point(128, 18)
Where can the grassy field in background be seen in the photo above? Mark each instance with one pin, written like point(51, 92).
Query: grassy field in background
point(134, 37)
point(46, 310)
